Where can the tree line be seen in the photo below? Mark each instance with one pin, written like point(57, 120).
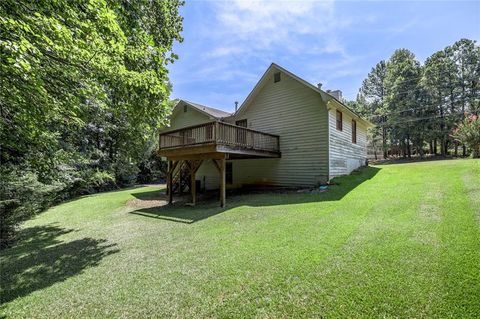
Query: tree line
point(422, 108)
point(84, 87)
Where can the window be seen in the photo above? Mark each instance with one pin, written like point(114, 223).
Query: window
point(229, 173)
point(354, 132)
point(276, 77)
point(185, 108)
point(339, 121)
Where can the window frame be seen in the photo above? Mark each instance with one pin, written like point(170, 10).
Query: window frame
point(354, 131)
point(339, 120)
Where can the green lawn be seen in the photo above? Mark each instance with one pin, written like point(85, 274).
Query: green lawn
point(391, 241)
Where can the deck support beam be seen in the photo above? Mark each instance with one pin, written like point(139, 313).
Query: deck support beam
point(222, 182)
point(171, 168)
point(221, 165)
point(169, 182)
point(193, 163)
point(194, 166)
point(193, 184)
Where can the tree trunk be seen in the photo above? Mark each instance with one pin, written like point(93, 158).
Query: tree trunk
point(444, 146)
point(409, 150)
point(384, 142)
point(435, 150)
point(431, 147)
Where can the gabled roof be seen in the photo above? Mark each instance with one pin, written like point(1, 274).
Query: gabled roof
point(210, 111)
point(325, 96)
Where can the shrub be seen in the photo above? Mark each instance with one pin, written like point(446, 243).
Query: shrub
point(92, 181)
point(21, 196)
point(152, 169)
point(468, 133)
point(125, 172)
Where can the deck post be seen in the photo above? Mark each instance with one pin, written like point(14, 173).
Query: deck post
point(216, 132)
point(222, 182)
point(193, 184)
point(170, 182)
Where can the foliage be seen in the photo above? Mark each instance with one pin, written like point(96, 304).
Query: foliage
point(84, 88)
point(403, 95)
point(468, 132)
point(414, 105)
point(22, 194)
point(371, 103)
point(411, 228)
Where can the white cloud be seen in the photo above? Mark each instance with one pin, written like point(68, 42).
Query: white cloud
point(238, 39)
point(261, 25)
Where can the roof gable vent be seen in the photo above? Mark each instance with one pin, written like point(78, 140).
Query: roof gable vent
point(276, 77)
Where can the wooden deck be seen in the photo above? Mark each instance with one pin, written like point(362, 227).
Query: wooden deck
point(188, 147)
point(218, 137)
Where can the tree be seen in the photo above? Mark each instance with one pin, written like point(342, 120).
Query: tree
point(401, 82)
point(413, 104)
point(468, 132)
point(84, 88)
point(439, 82)
point(372, 97)
point(465, 54)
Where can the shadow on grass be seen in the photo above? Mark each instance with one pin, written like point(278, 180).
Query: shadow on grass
point(40, 259)
point(205, 209)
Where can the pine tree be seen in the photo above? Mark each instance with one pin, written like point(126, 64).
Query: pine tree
point(372, 97)
point(402, 90)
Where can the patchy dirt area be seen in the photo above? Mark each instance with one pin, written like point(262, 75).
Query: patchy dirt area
point(159, 200)
point(142, 203)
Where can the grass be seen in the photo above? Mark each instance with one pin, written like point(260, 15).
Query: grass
point(393, 241)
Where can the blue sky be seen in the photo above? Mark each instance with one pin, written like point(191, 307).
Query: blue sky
point(229, 44)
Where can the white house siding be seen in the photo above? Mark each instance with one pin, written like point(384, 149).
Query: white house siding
point(312, 149)
point(299, 116)
point(345, 156)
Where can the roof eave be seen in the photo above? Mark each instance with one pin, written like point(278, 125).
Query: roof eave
point(201, 110)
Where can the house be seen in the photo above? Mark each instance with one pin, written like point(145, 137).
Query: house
point(287, 132)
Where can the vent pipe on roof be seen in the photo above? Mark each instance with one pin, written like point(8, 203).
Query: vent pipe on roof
point(236, 106)
point(319, 85)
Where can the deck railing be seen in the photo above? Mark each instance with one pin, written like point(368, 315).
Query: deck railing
point(220, 133)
